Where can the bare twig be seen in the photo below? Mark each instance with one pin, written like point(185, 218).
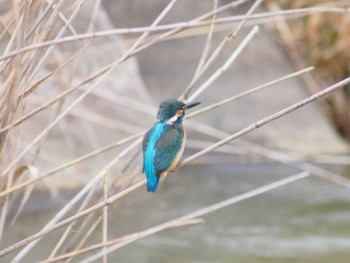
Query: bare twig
point(248, 92)
point(176, 26)
point(70, 164)
point(105, 71)
point(76, 198)
point(86, 236)
point(227, 64)
point(122, 241)
point(201, 212)
point(270, 118)
point(204, 55)
point(136, 186)
point(224, 43)
point(105, 217)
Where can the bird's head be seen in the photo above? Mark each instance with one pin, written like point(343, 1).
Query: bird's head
point(172, 110)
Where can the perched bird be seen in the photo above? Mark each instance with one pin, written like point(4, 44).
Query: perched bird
point(164, 144)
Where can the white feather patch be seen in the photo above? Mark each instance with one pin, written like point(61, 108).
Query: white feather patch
point(172, 119)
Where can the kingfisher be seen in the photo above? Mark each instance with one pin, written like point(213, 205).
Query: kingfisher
point(164, 144)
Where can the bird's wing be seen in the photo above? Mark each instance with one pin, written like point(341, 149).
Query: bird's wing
point(145, 144)
point(168, 146)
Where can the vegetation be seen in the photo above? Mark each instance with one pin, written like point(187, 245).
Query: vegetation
point(41, 100)
point(321, 40)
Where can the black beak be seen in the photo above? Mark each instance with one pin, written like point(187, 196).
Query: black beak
point(191, 104)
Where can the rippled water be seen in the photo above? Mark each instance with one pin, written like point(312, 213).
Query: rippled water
point(306, 221)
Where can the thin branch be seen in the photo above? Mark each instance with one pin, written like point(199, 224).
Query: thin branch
point(140, 184)
point(248, 92)
point(182, 25)
point(221, 47)
point(105, 217)
point(70, 164)
point(268, 119)
point(227, 64)
point(204, 55)
point(201, 212)
point(86, 236)
point(308, 167)
point(92, 183)
point(74, 200)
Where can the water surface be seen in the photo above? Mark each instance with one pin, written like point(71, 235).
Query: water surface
point(306, 221)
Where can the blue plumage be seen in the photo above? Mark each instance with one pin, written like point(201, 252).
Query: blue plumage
point(149, 153)
point(163, 145)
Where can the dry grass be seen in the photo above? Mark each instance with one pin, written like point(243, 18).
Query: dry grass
point(40, 93)
point(322, 41)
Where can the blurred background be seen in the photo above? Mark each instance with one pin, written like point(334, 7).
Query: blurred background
point(74, 103)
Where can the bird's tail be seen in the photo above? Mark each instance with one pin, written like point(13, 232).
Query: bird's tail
point(151, 175)
point(152, 183)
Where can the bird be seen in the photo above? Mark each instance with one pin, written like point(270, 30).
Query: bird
point(164, 144)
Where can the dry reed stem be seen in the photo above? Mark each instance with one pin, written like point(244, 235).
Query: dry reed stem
point(251, 10)
point(201, 212)
point(105, 217)
point(122, 241)
point(78, 252)
point(136, 186)
point(203, 65)
point(6, 27)
point(80, 230)
point(85, 157)
point(127, 102)
point(292, 74)
point(76, 198)
point(287, 37)
point(5, 206)
point(66, 21)
point(226, 65)
point(207, 45)
point(48, 128)
point(36, 85)
point(321, 41)
point(107, 70)
point(179, 28)
point(86, 236)
point(104, 121)
point(42, 56)
point(70, 227)
point(224, 43)
point(71, 219)
point(33, 173)
point(40, 144)
point(248, 92)
point(288, 160)
point(176, 26)
point(323, 158)
point(204, 55)
point(70, 164)
point(60, 242)
point(124, 141)
point(42, 15)
point(94, 15)
point(277, 156)
point(19, 121)
point(269, 119)
point(73, 104)
point(31, 60)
